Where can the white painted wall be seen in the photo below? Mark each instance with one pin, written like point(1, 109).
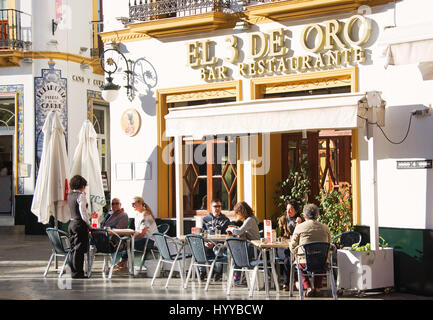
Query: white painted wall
point(404, 195)
point(73, 31)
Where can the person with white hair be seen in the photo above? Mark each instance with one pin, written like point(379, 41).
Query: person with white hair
point(309, 231)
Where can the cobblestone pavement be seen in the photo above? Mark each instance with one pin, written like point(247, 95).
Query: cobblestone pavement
point(23, 259)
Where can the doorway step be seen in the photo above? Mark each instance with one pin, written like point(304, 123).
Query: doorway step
point(7, 226)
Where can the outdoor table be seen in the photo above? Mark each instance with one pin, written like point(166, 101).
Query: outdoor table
point(211, 237)
point(265, 247)
point(128, 235)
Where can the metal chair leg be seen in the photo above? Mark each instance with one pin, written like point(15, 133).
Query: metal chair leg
point(170, 274)
point(63, 268)
point(189, 274)
point(333, 288)
point(229, 284)
point(256, 269)
point(209, 275)
point(49, 264)
point(301, 285)
point(292, 280)
point(158, 267)
point(180, 271)
point(142, 261)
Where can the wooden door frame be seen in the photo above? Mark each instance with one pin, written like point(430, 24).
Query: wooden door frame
point(165, 172)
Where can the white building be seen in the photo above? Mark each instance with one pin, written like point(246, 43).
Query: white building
point(48, 60)
point(228, 99)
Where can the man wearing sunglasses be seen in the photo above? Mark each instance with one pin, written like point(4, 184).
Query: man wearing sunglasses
point(215, 220)
point(116, 218)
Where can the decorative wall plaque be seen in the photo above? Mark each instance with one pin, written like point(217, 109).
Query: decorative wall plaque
point(130, 122)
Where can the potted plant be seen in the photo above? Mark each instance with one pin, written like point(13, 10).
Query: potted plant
point(296, 187)
point(336, 210)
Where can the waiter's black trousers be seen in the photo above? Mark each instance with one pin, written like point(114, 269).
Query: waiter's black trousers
point(79, 232)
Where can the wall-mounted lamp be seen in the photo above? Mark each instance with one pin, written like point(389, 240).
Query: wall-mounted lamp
point(123, 20)
point(52, 42)
point(110, 90)
point(54, 25)
point(304, 134)
point(84, 66)
point(83, 49)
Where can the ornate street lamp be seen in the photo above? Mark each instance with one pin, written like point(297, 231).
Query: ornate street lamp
point(140, 74)
point(110, 90)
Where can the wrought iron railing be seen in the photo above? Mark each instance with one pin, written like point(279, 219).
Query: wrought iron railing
point(147, 10)
point(15, 29)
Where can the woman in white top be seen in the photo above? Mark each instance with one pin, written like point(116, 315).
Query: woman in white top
point(145, 226)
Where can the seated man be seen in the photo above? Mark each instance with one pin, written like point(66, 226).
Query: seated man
point(309, 231)
point(215, 220)
point(116, 217)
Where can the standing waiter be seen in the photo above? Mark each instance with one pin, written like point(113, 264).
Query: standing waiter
point(79, 225)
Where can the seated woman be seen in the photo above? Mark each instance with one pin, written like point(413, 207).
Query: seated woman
point(287, 224)
point(248, 230)
point(145, 226)
point(250, 225)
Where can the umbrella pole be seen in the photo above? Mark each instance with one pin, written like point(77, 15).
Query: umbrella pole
point(57, 227)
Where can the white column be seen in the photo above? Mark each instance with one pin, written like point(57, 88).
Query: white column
point(179, 184)
point(374, 226)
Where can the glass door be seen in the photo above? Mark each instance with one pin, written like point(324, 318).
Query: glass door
point(7, 159)
point(100, 123)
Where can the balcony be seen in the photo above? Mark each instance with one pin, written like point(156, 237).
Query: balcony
point(15, 36)
point(278, 10)
point(15, 30)
point(174, 17)
point(146, 11)
point(165, 18)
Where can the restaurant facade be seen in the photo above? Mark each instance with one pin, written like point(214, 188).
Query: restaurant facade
point(231, 96)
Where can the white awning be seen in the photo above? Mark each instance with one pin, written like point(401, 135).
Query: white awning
point(410, 45)
point(336, 111)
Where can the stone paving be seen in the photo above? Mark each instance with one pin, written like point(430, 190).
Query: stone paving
point(23, 259)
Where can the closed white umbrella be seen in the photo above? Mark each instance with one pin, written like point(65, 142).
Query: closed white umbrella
point(86, 164)
point(50, 197)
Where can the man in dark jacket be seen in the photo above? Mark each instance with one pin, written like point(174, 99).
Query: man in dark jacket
point(215, 220)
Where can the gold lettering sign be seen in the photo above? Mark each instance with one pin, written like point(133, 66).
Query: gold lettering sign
point(330, 44)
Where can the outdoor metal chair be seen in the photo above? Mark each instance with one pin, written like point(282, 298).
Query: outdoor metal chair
point(241, 261)
point(162, 228)
point(316, 256)
point(57, 237)
point(100, 240)
point(347, 239)
point(199, 258)
point(171, 250)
